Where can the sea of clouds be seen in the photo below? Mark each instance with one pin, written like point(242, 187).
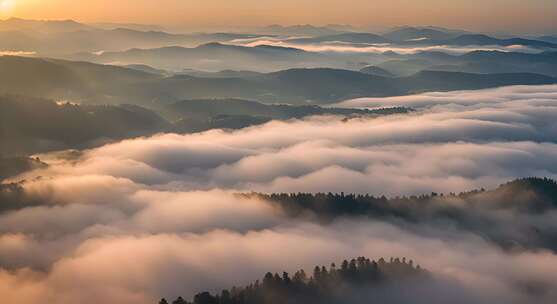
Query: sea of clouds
point(140, 219)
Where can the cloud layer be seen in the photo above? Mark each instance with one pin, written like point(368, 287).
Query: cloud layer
point(378, 48)
point(150, 217)
point(456, 141)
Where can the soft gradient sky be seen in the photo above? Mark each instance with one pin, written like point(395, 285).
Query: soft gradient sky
point(492, 15)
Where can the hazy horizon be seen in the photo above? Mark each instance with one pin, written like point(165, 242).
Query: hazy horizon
point(538, 16)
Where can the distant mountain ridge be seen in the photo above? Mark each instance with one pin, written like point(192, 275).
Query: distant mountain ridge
point(484, 62)
point(377, 71)
point(209, 56)
point(478, 39)
point(428, 36)
point(62, 126)
point(413, 33)
point(64, 37)
point(344, 37)
point(43, 26)
point(93, 83)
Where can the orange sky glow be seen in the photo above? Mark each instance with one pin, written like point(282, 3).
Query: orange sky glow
point(495, 15)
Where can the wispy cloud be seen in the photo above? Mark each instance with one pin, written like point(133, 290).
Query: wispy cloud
point(380, 48)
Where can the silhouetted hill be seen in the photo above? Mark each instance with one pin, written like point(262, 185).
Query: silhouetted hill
point(66, 80)
point(146, 69)
point(326, 85)
point(102, 84)
point(484, 62)
point(478, 211)
point(377, 71)
point(425, 36)
point(84, 82)
point(527, 195)
point(63, 125)
point(355, 281)
point(214, 107)
point(43, 26)
point(29, 125)
point(211, 56)
point(62, 38)
point(511, 57)
point(478, 39)
point(329, 85)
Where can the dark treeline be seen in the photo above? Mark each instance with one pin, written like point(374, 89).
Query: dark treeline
point(513, 216)
point(476, 211)
point(191, 109)
point(531, 195)
point(324, 285)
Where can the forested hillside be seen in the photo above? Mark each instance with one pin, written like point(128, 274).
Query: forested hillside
point(477, 211)
point(352, 281)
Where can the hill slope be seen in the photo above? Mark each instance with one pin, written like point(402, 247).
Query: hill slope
point(92, 83)
point(356, 281)
point(29, 125)
point(525, 201)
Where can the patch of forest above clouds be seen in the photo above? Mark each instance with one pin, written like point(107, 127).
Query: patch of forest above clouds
point(359, 280)
point(84, 83)
point(517, 215)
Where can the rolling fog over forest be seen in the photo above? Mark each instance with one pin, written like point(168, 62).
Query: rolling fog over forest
point(278, 153)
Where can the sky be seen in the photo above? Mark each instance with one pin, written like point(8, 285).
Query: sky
point(492, 15)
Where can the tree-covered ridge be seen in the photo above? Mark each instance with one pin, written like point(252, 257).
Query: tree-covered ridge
point(527, 194)
point(514, 216)
point(324, 285)
point(487, 213)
